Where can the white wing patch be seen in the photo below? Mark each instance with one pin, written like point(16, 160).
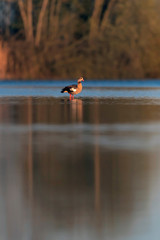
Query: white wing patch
point(73, 89)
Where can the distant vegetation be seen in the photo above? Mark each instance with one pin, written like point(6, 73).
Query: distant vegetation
point(102, 39)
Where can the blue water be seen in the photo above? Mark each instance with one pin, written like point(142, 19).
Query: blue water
point(99, 89)
point(87, 83)
point(84, 169)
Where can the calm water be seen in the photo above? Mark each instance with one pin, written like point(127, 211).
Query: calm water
point(83, 169)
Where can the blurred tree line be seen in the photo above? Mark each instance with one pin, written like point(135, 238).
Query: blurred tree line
point(94, 38)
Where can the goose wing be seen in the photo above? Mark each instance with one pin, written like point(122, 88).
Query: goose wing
point(70, 89)
point(73, 88)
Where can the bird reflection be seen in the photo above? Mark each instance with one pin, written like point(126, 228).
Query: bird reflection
point(97, 170)
point(30, 159)
point(76, 110)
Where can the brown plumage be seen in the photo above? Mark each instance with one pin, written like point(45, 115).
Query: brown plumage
point(73, 89)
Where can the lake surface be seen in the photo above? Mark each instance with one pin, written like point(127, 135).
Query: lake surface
point(82, 169)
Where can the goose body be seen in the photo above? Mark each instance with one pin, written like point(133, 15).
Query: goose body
point(73, 89)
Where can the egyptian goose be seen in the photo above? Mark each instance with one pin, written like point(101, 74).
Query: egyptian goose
point(73, 89)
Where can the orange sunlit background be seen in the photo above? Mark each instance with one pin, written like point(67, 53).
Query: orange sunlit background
point(101, 39)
